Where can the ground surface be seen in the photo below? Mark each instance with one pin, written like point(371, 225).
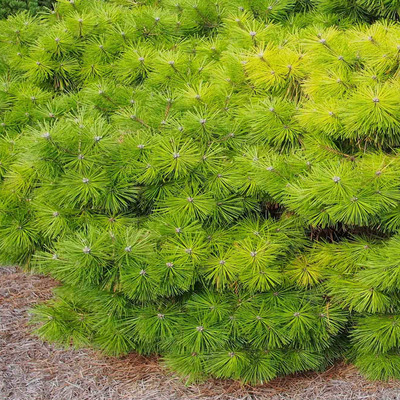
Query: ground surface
point(31, 369)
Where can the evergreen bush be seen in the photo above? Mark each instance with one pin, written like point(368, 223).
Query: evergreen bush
point(216, 182)
point(8, 7)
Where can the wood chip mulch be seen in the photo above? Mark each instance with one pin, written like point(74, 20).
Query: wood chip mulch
point(33, 370)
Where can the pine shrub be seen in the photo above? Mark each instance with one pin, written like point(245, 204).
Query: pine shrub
point(216, 182)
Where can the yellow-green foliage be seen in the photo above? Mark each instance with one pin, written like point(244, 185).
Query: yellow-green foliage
point(213, 181)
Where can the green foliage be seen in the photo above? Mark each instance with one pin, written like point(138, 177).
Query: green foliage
point(214, 182)
point(8, 7)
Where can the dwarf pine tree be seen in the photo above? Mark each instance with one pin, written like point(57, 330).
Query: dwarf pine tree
point(216, 182)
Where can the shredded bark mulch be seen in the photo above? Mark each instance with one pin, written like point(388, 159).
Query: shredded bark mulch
point(34, 370)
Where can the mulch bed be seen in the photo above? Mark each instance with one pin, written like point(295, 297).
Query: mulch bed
point(33, 370)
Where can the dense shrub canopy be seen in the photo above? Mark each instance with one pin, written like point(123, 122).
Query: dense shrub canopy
point(215, 182)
